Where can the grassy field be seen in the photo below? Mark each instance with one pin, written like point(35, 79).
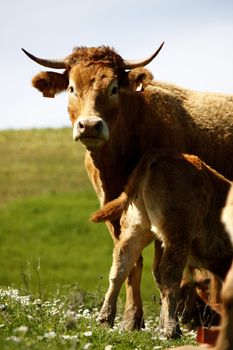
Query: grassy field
point(47, 245)
point(45, 202)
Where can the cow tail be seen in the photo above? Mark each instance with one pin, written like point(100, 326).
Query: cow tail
point(111, 210)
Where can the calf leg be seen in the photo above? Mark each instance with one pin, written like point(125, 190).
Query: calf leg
point(168, 277)
point(125, 255)
point(133, 315)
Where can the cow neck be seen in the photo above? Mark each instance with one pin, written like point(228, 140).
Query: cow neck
point(118, 157)
point(114, 166)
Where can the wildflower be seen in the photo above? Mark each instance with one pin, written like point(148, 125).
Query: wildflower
point(69, 337)
point(21, 329)
point(25, 300)
point(37, 302)
point(87, 346)
point(50, 334)
point(108, 347)
point(14, 339)
point(86, 312)
point(87, 334)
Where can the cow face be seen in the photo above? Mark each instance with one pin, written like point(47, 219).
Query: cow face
point(93, 103)
point(93, 78)
point(93, 97)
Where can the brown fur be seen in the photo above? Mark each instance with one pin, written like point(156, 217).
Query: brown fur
point(181, 197)
point(161, 115)
point(95, 55)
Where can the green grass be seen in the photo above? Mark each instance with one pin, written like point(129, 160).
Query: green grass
point(45, 202)
point(48, 245)
point(39, 162)
point(55, 231)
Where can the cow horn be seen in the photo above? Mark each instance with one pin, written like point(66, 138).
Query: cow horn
point(130, 64)
point(59, 64)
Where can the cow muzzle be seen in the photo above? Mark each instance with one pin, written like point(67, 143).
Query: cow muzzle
point(91, 131)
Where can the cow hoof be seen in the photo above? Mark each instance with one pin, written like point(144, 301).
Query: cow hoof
point(106, 322)
point(133, 319)
point(173, 333)
point(133, 324)
point(106, 318)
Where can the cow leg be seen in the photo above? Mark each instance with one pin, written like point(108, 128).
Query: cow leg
point(168, 277)
point(133, 315)
point(125, 255)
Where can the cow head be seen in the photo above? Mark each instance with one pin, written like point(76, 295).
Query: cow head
point(94, 79)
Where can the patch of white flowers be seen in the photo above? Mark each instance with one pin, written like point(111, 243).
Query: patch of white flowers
point(60, 314)
point(14, 295)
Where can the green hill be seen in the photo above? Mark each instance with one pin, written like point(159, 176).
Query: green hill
point(45, 202)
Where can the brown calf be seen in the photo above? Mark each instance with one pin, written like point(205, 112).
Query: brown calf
point(175, 199)
point(225, 338)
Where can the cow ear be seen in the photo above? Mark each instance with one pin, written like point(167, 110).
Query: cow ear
point(139, 78)
point(50, 83)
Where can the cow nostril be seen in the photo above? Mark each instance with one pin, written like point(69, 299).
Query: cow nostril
point(98, 126)
point(81, 125)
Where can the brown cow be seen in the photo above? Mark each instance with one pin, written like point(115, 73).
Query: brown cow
point(225, 338)
point(176, 199)
point(117, 124)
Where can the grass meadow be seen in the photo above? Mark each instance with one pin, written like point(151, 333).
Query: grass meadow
point(54, 263)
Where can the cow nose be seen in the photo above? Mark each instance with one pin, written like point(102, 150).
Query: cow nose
point(93, 127)
point(90, 130)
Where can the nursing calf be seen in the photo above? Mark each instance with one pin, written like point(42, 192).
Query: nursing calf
point(176, 200)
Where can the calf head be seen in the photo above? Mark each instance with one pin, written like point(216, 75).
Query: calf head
point(94, 79)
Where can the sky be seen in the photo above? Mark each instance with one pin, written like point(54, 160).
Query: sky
point(198, 50)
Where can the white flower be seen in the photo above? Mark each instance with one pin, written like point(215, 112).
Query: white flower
point(50, 334)
point(21, 329)
point(108, 347)
point(86, 312)
point(14, 339)
point(87, 334)
point(69, 337)
point(87, 346)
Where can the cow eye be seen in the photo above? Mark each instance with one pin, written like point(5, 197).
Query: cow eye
point(71, 89)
